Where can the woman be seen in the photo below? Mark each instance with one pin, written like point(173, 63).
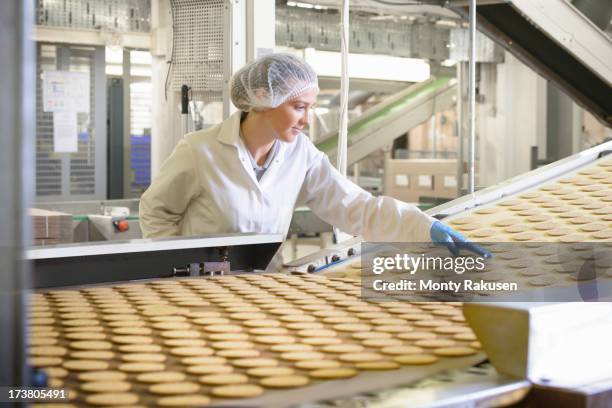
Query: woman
point(248, 173)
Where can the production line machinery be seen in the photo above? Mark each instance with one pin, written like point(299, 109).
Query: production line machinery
point(188, 322)
point(557, 350)
point(226, 322)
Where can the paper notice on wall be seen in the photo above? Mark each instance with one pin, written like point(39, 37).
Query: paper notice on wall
point(65, 132)
point(65, 91)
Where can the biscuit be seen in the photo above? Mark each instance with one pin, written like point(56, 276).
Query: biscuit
point(227, 345)
point(112, 398)
point(254, 362)
point(140, 348)
point(166, 326)
point(203, 360)
point(210, 369)
point(321, 341)
point(223, 328)
point(377, 365)
point(332, 373)
point(92, 355)
point(370, 335)
point(184, 342)
point(106, 386)
point(144, 357)
point(275, 339)
point(85, 336)
point(381, 342)
point(85, 365)
point(284, 348)
point(270, 371)
point(416, 359)
point(224, 379)
point(237, 391)
point(159, 377)
point(128, 339)
point(284, 381)
point(506, 222)
point(183, 401)
point(44, 361)
point(141, 367)
point(174, 388)
point(56, 372)
point(401, 350)
point(542, 281)
point(248, 353)
point(434, 343)
point(47, 351)
point(316, 364)
point(454, 351)
point(191, 351)
point(360, 357)
point(180, 334)
point(102, 376)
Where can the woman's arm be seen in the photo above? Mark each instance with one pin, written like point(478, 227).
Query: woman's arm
point(340, 202)
point(163, 204)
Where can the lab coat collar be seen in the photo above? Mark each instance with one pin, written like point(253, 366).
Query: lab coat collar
point(229, 134)
point(230, 130)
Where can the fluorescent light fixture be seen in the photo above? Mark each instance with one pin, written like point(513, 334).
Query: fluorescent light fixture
point(369, 66)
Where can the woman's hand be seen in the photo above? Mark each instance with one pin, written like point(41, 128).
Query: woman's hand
point(442, 234)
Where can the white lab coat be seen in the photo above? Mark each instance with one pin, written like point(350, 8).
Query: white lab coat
point(207, 186)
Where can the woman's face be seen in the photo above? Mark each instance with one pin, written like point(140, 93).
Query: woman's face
point(288, 119)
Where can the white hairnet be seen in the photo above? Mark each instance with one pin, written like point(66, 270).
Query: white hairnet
point(271, 80)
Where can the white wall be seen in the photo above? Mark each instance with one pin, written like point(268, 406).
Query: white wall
point(165, 131)
point(510, 121)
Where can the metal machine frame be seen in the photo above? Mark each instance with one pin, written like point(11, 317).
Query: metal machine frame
point(77, 264)
point(558, 42)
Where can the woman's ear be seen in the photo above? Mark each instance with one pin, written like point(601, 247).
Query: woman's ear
point(261, 95)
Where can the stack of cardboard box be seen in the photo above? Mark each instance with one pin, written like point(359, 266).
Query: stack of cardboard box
point(51, 227)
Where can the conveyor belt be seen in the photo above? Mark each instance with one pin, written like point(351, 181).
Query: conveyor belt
point(180, 324)
point(385, 122)
point(547, 238)
point(557, 41)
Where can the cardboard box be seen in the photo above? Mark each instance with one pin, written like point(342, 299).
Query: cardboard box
point(51, 227)
point(411, 179)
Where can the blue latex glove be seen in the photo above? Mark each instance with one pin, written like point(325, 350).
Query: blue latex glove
point(442, 234)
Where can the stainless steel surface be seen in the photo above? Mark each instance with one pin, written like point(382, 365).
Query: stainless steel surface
point(565, 344)
point(324, 256)
point(477, 386)
point(304, 221)
point(556, 41)
point(17, 120)
point(572, 30)
point(148, 245)
point(89, 207)
point(461, 119)
point(101, 228)
point(472, 99)
point(367, 382)
point(100, 154)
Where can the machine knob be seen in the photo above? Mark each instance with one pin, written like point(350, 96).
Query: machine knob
point(121, 225)
point(311, 268)
point(335, 258)
point(351, 252)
